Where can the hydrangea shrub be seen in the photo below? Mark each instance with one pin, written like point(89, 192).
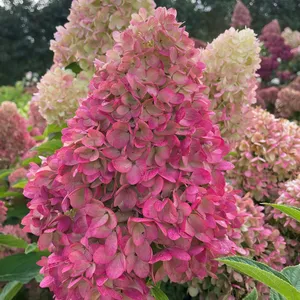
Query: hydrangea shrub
point(138, 190)
point(267, 156)
point(231, 60)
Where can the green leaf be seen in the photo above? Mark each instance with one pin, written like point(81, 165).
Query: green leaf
point(20, 267)
point(39, 138)
point(264, 274)
point(31, 248)
point(27, 161)
point(292, 211)
point(158, 294)
point(10, 194)
point(10, 290)
point(252, 296)
point(39, 277)
point(19, 210)
point(20, 184)
point(293, 275)
point(5, 173)
point(12, 241)
point(74, 67)
point(48, 147)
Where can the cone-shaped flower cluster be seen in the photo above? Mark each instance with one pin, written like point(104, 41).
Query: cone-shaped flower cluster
point(14, 137)
point(59, 94)
point(268, 155)
point(257, 240)
point(288, 102)
point(88, 34)
point(267, 97)
point(231, 62)
point(138, 189)
point(289, 195)
point(291, 38)
point(241, 16)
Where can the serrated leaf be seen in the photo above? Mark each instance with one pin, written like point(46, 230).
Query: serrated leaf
point(10, 290)
point(292, 211)
point(31, 248)
point(48, 147)
point(20, 184)
point(158, 294)
point(293, 275)
point(4, 173)
point(276, 296)
point(12, 241)
point(264, 274)
point(20, 267)
point(27, 161)
point(252, 296)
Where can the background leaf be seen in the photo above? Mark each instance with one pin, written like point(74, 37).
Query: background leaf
point(158, 294)
point(12, 241)
point(252, 296)
point(293, 212)
point(20, 184)
point(10, 290)
point(264, 274)
point(20, 267)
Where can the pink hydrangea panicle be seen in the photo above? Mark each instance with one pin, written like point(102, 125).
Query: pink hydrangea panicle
point(88, 33)
point(288, 195)
point(288, 101)
point(255, 239)
point(231, 60)
point(14, 137)
point(267, 155)
point(138, 190)
point(266, 97)
point(271, 28)
point(241, 16)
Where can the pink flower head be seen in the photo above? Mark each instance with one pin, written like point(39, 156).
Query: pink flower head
point(267, 156)
point(3, 212)
point(241, 16)
point(138, 189)
point(14, 137)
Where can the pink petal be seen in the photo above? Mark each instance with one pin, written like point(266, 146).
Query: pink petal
point(134, 175)
point(111, 244)
point(122, 164)
point(201, 176)
point(116, 267)
point(100, 256)
point(144, 251)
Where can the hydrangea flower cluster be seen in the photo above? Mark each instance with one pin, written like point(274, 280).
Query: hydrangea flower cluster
point(138, 188)
point(256, 239)
point(267, 156)
point(36, 120)
point(277, 49)
point(288, 102)
point(291, 38)
point(289, 195)
point(241, 16)
point(231, 62)
point(60, 91)
point(14, 137)
point(266, 97)
point(16, 175)
point(88, 34)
